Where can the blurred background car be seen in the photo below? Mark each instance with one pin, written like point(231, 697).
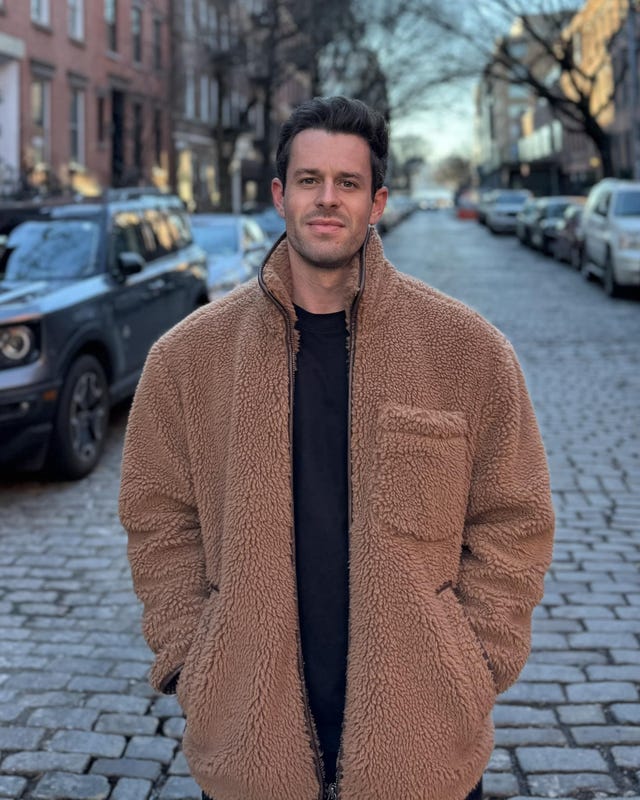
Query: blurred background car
point(235, 245)
point(548, 211)
point(610, 227)
point(466, 204)
point(565, 238)
point(485, 198)
point(271, 223)
point(525, 218)
point(397, 209)
point(503, 208)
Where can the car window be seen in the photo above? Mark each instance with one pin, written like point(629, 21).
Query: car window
point(128, 236)
point(602, 206)
point(179, 226)
point(162, 233)
point(252, 234)
point(627, 204)
point(50, 250)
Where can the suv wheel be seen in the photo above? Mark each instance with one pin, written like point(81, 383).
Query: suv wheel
point(81, 420)
point(584, 266)
point(575, 258)
point(611, 285)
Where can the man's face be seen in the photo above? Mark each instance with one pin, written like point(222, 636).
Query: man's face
point(327, 203)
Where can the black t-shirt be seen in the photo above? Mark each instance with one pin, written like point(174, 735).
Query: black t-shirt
point(320, 494)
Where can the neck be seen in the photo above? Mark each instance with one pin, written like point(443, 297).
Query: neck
point(321, 291)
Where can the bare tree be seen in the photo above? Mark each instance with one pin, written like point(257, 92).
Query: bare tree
point(427, 46)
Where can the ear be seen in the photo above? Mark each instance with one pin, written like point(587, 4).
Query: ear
point(277, 193)
point(379, 202)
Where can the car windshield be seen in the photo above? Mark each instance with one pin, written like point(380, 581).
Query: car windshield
point(217, 238)
point(512, 197)
point(556, 209)
point(50, 250)
point(627, 204)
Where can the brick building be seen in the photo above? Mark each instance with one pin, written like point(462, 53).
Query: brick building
point(84, 93)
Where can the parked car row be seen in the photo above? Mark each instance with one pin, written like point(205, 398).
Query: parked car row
point(598, 235)
point(397, 209)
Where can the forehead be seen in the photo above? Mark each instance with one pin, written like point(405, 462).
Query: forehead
point(328, 152)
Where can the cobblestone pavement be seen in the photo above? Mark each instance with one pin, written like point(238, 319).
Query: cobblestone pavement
point(77, 719)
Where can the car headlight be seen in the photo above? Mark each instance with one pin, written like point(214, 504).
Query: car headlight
point(19, 344)
point(629, 241)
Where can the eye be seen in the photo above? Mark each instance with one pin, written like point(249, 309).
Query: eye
point(349, 184)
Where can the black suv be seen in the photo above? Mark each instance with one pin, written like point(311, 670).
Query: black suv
point(85, 290)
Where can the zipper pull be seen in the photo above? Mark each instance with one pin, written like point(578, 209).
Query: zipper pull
point(332, 793)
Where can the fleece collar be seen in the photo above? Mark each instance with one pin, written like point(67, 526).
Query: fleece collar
point(365, 278)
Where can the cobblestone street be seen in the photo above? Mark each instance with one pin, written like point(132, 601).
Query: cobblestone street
point(77, 718)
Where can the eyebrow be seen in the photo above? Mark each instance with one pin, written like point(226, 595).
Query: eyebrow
point(317, 172)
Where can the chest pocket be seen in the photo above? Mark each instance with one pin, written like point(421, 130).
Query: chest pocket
point(422, 472)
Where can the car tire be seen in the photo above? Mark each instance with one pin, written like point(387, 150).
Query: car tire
point(584, 268)
point(575, 258)
point(81, 420)
point(611, 285)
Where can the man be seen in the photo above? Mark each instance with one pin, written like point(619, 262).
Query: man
point(338, 506)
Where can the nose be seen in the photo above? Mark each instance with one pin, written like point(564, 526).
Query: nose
point(327, 195)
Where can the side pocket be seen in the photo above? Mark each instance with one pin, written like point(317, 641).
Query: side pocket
point(186, 675)
point(470, 643)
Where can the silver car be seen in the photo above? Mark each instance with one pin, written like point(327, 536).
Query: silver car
point(502, 210)
point(610, 229)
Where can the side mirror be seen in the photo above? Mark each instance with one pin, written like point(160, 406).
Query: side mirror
point(130, 263)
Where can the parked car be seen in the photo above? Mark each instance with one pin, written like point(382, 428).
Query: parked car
point(397, 209)
point(610, 227)
point(484, 200)
point(502, 209)
point(466, 204)
point(548, 211)
point(525, 218)
point(235, 246)
point(565, 239)
point(271, 223)
point(85, 290)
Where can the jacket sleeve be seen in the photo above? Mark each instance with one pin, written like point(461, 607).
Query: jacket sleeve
point(159, 512)
point(508, 536)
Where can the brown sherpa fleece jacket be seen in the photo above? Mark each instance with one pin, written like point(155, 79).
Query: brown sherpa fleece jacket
point(451, 534)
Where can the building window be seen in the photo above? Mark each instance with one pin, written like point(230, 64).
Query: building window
point(76, 126)
point(111, 18)
point(138, 126)
point(75, 16)
point(102, 129)
point(157, 134)
point(204, 98)
point(40, 11)
point(136, 30)
point(40, 118)
point(157, 43)
point(189, 27)
point(190, 95)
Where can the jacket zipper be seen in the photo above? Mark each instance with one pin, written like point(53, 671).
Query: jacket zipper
point(315, 745)
point(331, 791)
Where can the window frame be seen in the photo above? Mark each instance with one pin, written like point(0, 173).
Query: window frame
point(75, 13)
point(137, 44)
point(77, 126)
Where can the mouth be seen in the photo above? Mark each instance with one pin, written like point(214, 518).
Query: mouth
point(325, 225)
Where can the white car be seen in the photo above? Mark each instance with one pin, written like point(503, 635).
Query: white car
point(610, 229)
point(502, 210)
